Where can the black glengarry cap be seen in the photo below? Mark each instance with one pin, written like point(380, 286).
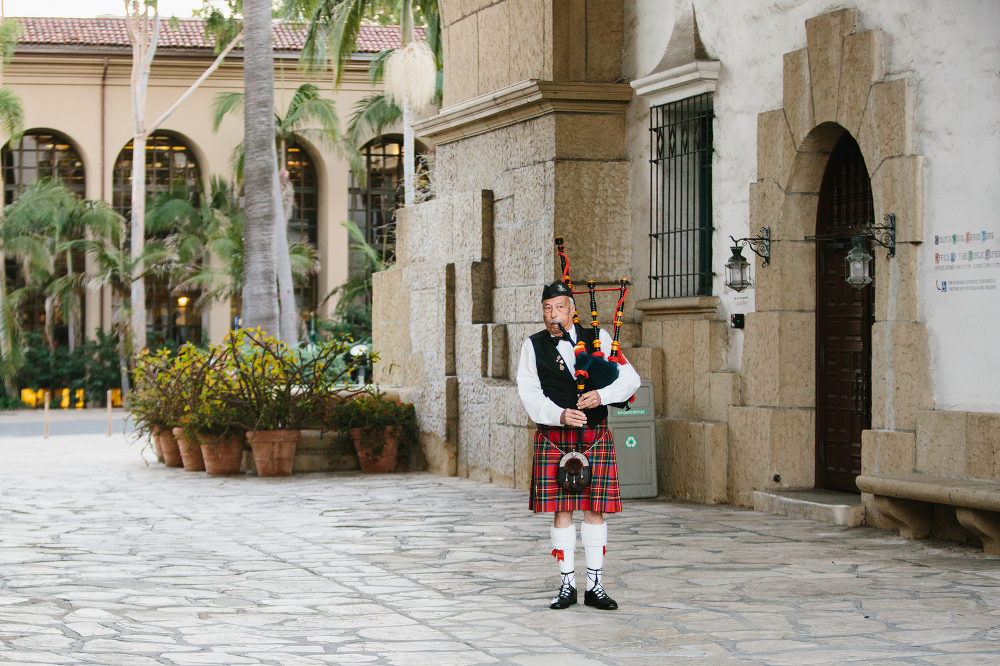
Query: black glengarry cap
point(556, 289)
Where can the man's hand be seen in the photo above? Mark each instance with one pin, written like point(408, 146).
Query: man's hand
point(589, 400)
point(573, 418)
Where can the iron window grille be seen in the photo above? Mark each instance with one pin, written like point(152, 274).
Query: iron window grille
point(680, 220)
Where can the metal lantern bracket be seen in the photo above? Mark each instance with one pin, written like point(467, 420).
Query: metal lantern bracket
point(761, 245)
point(884, 235)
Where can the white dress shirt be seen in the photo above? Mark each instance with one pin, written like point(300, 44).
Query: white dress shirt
point(545, 412)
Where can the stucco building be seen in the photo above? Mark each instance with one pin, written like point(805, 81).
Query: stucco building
point(72, 76)
point(647, 133)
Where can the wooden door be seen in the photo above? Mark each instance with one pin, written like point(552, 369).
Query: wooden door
point(844, 317)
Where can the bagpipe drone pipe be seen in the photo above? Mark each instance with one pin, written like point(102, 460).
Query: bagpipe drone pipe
point(594, 370)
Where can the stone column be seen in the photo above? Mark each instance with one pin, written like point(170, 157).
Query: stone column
point(530, 144)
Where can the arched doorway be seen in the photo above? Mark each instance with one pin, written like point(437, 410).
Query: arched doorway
point(844, 318)
point(170, 164)
point(43, 154)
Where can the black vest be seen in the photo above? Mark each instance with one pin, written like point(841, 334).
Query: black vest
point(559, 385)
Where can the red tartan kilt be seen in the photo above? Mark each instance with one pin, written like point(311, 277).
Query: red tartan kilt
point(551, 443)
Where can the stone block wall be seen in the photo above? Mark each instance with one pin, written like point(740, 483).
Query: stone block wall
point(490, 44)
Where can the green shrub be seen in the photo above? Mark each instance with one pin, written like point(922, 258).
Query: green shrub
point(92, 366)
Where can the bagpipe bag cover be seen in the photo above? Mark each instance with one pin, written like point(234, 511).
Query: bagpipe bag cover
point(600, 372)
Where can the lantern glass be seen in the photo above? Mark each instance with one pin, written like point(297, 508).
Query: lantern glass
point(857, 262)
point(737, 271)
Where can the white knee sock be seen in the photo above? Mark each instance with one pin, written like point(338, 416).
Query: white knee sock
point(595, 539)
point(563, 549)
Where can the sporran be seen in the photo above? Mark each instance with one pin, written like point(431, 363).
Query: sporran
point(573, 473)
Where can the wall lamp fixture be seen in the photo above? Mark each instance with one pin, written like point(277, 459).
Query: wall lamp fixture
point(858, 259)
point(737, 268)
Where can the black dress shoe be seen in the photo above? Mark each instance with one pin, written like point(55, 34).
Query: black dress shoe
point(566, 598)
point(599, 599)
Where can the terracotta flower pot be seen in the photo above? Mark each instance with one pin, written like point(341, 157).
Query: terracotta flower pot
point(273, 451)
point(223, 457)
point(190, 453)
point(385, 461)
point(157, 447)
point(171, 450)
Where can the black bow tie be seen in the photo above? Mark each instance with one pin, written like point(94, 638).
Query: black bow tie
point(557, 338)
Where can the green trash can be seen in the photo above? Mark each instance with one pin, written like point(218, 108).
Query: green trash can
point(634, 431)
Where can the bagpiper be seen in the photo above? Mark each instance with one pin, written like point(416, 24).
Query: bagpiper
point(572, 441)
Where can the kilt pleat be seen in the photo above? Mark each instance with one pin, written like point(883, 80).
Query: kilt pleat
point(551, 443)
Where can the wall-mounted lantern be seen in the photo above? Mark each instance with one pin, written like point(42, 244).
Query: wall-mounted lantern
point(857, 261)
point(737, 268)
point(737, 271)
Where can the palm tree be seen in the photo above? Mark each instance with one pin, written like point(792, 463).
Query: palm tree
point(116, 269)
point(56, 218)
point(11, 121)
point(222, 279)
point(306, 108)
point(260, 295)
point(333, 27)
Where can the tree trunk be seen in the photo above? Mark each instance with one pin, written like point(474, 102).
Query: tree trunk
point(286, 287)
point(260, 293)
point(409, 169)
point(71, 307)
point(138, 240)
point(5, 335)
point(50, 341)
point(123, 355)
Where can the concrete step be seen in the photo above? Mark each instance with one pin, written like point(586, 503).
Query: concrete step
point(825, 506)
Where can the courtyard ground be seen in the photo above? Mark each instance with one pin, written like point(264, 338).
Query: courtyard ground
point(105, 560)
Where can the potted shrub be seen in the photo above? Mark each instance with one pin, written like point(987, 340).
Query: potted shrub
point(379, 427)
point(207, 421)
point(272, 392)
point(154, 402)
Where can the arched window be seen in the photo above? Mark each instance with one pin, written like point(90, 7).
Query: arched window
point(303, 225)
point(39, 154)
point(169, 162)
point(372, 205)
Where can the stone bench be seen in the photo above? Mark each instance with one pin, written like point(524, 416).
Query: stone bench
point(904, 499)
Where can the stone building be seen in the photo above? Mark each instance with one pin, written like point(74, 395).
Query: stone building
point(72, 76)
point(647, 133)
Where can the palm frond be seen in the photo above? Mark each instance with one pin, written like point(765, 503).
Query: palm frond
point(10, 31)
point(225, 103)
point(11, 114)
point(371, 115)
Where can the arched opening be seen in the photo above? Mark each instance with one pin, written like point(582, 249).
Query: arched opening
point(303, 226)
point(844, 319)
point(372, 205)
point(42, 154)
point(170, 163)
point(39, 154)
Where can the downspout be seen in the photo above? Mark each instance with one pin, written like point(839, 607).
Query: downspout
point(104, 80)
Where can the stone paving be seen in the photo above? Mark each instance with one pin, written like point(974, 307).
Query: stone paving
point(104, 560)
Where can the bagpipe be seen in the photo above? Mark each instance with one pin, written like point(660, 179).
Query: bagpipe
point(593, 370)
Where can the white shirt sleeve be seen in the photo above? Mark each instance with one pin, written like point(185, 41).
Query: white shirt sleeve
point(628, 380)
point(541, 410)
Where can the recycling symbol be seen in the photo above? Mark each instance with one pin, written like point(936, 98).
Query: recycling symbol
point(630, 443)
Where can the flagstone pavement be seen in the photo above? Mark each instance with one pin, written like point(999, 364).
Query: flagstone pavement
point(104, 560)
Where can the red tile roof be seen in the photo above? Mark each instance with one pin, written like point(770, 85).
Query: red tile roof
point(189, 34)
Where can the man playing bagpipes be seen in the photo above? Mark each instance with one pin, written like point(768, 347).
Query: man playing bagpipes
point(573, 445)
